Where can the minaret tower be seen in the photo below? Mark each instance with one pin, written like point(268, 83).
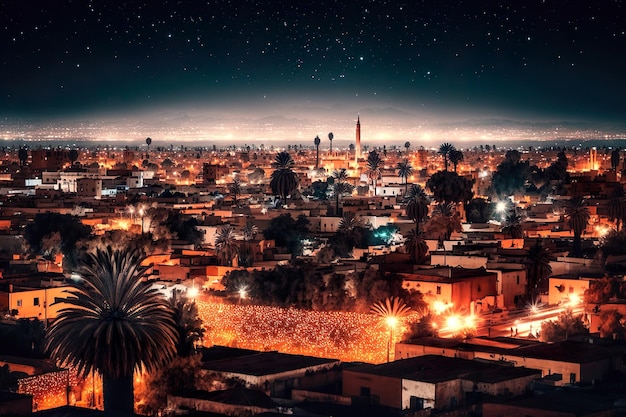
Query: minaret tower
point(357, 149)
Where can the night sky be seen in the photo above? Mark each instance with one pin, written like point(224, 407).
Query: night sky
point(539, 60)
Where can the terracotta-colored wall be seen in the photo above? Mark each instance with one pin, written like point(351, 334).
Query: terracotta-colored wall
point(387, 389)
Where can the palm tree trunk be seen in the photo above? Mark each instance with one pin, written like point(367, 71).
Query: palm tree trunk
point(118, 394)
point(317, 157)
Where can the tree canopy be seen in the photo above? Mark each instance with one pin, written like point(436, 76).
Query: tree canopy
point(449, 187)
point(510, 176)
point(69, 227)
point(288, 232)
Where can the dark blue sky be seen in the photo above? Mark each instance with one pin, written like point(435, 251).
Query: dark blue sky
point(528, 59)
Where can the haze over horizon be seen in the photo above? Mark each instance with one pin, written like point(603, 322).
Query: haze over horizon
point(276, 70)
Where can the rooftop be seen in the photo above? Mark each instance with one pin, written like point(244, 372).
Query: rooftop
point(434, 369)
point(265, 363)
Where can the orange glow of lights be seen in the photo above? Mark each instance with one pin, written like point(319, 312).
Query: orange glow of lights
point(49, 390)
point(346, 336)
point(192, 292)
point(392, 321)
point(574, 299)
point(439, 307)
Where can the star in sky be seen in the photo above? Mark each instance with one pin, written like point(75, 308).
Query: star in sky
point(561, 58)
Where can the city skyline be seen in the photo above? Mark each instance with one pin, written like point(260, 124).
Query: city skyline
point(239, 71)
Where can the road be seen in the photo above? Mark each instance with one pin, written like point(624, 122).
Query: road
point(515, 323)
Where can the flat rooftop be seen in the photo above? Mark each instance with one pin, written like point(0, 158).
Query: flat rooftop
point(266, 363)
point(434, 368)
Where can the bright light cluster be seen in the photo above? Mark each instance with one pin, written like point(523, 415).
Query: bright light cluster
point(49, 390)
point(342, 335)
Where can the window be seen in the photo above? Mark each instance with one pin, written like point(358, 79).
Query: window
point(478, 289)
point(572, 378)
point(19, 303)
point(438, 290)
point(36, 301)
point(518, 280)
point(416, 403)
point(365, 392)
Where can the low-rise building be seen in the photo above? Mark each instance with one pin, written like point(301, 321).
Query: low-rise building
point(432, 381)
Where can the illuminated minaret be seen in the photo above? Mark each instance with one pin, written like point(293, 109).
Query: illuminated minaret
point(357, 149)
point(593, 158)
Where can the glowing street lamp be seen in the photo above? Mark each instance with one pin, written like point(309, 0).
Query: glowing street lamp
point(392, 309)
point(392, 322)
point(243, 293)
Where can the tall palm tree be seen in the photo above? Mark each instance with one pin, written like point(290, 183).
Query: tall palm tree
point(234, 188)
point(407, 145)
point(340, 186)
point(417, 205)
point(616, 207)
point(148, 142)
point(189, 329)
point(373, 164)
point(415, 245)
point(283, 180)
point(226, 245)
point(444, 150)
point(317, 142)
point(443, 222)
point(512, 225)
point(577, 213)
point(250, 230)
point(455, 157)
point(330, 138)
point(404, 171)
point(538, 268)
point(115, 324)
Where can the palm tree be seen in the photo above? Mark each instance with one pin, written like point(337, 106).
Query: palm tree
point(148, 142)
point(578, 214)
point(115, 324)
point(444, 150)
point(317, 142)
point(455, 157)
point(330, 138)
point(417, 205)
point(512, 225)
point(22, 154)
point(234, 188)
point(348, 223)
point(283, 180)
point(340, 186)
point(617, 206)
point(189, 329)
point(404, 171)
point(407, 145)
point(538, 268)
point(391, 310)
point(226, 245)
point(373, 165)
point(415, 245)
point(352, 227)
point(444, 221)
point(250, 230)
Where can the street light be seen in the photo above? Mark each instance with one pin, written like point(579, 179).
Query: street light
point(392, 322)
point(392, 309)
point(141, 214)
point(243, 293)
